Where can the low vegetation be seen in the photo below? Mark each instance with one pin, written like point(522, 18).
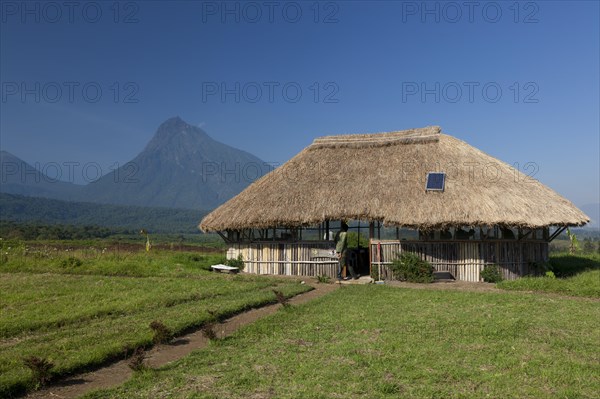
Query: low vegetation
point(282, 299)
point(409, 267)
point(237, 262)
point(566, 265)
point(101, 258)
point(137, 361)
point(573, 275)
point(586, 284)
point(67, 310)
point(162, 333)
point(408, 343)
point(491, 274)
point(78, 235)
point(40, 369)
point(588, 242)
point(45, 211)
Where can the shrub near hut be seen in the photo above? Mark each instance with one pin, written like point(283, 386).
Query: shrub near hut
point(491, 274)
point(409, 267)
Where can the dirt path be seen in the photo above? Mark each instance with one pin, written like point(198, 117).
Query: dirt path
point(119, 372)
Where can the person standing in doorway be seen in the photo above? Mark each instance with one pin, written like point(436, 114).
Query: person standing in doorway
point(341, 249)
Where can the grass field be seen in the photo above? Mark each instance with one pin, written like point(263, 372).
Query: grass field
point(576, 276)
point(80, 307)
point(81, 315)
point(383, 342)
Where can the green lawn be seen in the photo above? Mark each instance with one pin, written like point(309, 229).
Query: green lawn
point(17, 256)
point(79, 316)
point(383, 342)
point(576, 275)
point(585, 284)
point(566, 265)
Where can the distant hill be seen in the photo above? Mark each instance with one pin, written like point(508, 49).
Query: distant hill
point(19, 208)
point(181, 167)
point(19, 177)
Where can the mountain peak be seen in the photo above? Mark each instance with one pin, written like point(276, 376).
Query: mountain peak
point(182, 167)
point(173, 123)
point(176, 130)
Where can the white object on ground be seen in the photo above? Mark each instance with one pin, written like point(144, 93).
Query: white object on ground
point(225, 268)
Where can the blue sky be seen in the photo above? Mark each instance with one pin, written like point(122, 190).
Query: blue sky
point(519, 80)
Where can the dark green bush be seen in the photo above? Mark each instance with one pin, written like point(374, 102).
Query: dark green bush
point(375, 273)
point(71, 261)
point(196, 258)
point(539, 268)
point(409, 267)
point(550, 274)
point(491, 274)
point(565, 265)
point(200, 261)
point(239, 262)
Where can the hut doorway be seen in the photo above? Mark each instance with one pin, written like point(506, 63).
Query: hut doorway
point(358, 247)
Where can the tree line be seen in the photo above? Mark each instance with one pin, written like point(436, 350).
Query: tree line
point(44, 211)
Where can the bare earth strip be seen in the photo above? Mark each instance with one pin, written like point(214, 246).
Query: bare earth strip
point(119, 372)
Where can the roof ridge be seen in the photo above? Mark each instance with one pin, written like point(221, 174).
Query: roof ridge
point(410, 136)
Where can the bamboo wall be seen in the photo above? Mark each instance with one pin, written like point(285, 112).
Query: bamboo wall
point(464, 259)
point(308, 258)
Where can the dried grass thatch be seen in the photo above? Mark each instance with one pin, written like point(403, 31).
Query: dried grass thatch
point(381, 177)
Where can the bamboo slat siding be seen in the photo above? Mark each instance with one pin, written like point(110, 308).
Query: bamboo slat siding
point(291, 259)
point(465, 259)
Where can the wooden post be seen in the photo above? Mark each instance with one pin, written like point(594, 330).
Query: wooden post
point(371, 237)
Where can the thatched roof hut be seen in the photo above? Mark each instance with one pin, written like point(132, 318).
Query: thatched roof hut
point(381, 177)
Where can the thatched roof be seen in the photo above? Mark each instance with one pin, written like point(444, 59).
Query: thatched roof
point(381, 177)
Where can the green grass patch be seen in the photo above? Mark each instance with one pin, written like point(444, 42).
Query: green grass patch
point(100, 260)
point(566, 265)
point(382, 342)
point(79, 314)
point(585, 284)
point(576, 275)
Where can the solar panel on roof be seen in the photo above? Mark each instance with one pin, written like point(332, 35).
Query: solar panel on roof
point(435, 181)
